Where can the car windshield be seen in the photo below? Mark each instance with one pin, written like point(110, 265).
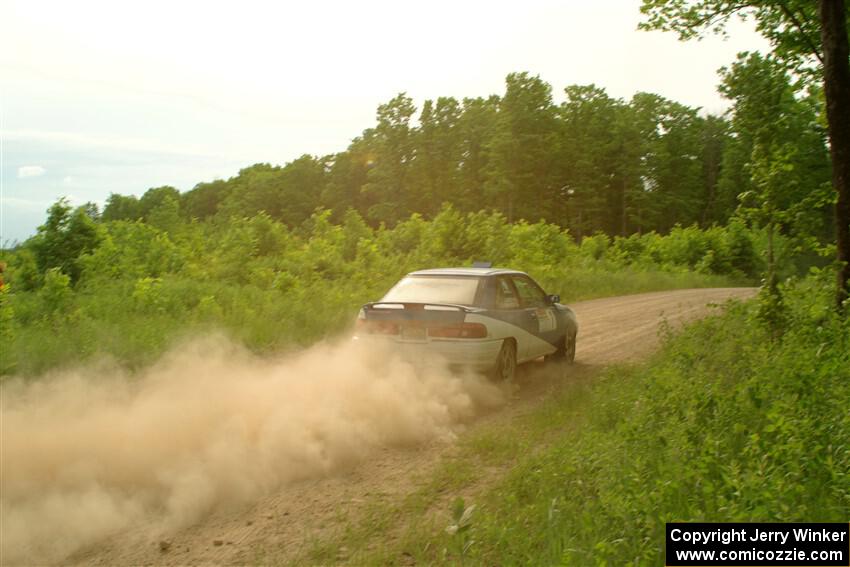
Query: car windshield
point(434, 289)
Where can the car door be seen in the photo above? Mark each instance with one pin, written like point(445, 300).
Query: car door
point(540, 314)
point(508, 308)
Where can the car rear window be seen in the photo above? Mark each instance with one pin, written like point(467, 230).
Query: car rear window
point(434, 289)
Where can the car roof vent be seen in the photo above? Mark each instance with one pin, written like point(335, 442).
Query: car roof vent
point(482, 264)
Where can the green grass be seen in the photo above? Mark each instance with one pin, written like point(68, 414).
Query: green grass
point(609, 281)
point(721, 425)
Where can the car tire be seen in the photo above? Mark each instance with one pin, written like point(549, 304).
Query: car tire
point(505, 368)
point(570, 349)
point(566, 351)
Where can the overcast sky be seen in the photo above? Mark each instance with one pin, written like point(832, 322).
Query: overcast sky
point(105, 96)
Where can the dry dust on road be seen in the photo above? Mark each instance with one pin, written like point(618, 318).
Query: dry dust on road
point(287, 494)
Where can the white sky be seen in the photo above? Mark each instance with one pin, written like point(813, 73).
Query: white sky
point(105, 96)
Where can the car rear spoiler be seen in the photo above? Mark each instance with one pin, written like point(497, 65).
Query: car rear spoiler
point(437, 312)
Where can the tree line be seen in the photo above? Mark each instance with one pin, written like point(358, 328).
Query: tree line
point(590, 164)
point(593, 163)
point(596, 163)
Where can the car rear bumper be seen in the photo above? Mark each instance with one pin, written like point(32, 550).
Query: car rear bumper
point(478, 354)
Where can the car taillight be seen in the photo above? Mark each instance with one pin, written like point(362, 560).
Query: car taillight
point(377, 327)
point(461, 331)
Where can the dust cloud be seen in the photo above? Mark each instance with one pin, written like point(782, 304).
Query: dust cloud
point(95, 451)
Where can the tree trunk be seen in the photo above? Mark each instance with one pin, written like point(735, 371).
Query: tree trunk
point(772, 283)
point(623, 218)
point(836, 80)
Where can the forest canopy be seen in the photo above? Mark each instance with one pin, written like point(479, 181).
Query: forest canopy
point(593, 163)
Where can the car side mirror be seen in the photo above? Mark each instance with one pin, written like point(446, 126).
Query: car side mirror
point(554, 298)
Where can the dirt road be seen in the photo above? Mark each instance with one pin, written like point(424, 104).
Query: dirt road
point(278, 526)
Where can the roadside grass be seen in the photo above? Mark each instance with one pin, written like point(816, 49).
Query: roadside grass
point(722, 424)
point(580, 284)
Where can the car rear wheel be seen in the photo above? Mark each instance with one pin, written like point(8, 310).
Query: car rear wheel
point(566, 350)
point(570, 349)
point(505, 368)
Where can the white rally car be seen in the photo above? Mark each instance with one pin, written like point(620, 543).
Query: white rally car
point(487, 318)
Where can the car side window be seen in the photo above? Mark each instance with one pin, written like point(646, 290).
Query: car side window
point(529, 293)
point(505, 295)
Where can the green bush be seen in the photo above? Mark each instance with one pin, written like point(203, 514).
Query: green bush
point(56, 295)
point(275, 288)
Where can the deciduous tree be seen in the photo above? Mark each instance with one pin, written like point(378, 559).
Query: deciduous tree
point(811, 39)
